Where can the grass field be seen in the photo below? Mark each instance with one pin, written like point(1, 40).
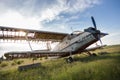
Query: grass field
point(101, 67)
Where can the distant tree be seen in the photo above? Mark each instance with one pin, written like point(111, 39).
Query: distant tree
point(1, 59)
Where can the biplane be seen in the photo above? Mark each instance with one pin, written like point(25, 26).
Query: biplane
point(69, 44)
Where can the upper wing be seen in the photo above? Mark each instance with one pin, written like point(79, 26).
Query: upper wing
point(21, 34)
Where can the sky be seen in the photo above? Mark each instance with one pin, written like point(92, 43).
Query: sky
point(61, 16)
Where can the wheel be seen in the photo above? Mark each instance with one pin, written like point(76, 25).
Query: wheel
point(69, 60)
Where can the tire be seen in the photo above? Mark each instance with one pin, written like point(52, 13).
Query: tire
point(69, 60)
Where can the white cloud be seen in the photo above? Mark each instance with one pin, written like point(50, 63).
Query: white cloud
point(68, 7)
point(32, 13)
point(15, 19)
point(80, 5)
point(112, 38)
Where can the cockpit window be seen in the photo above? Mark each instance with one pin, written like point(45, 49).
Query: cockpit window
point(74, 34)
point(77, 32)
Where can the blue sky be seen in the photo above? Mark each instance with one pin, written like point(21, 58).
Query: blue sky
point(61, 15)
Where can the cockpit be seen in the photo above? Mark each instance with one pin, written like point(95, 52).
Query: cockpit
point(74, 34)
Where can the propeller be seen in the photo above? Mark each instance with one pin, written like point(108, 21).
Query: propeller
point(94, 24)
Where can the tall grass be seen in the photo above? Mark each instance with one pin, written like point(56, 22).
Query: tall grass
point(102, 67)
point(3, 64)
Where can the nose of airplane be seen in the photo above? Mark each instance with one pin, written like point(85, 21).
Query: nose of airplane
point(98, 32)
point(103, 34)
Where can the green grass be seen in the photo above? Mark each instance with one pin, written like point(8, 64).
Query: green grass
point(101, 67)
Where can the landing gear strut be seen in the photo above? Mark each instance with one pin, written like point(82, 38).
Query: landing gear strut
point(91, 54)
point(69, 59)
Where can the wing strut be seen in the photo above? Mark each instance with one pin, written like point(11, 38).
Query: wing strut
point(48, 45)
point(3, 34)
point(28, 41)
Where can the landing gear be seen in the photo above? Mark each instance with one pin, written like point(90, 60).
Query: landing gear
point(69, 59)
point(91, 54)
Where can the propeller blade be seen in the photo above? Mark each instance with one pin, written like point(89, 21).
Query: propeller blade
point(100, 39)
point(94, 23)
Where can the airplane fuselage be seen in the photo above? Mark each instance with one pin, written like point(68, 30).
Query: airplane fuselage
point(74, 42)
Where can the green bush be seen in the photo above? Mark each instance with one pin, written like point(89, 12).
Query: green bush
point(17, 62)
point(41, 58)
point(13, 63)
point(46, 57)
point(20, 62)
point(3, 64)
point(35, 58)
